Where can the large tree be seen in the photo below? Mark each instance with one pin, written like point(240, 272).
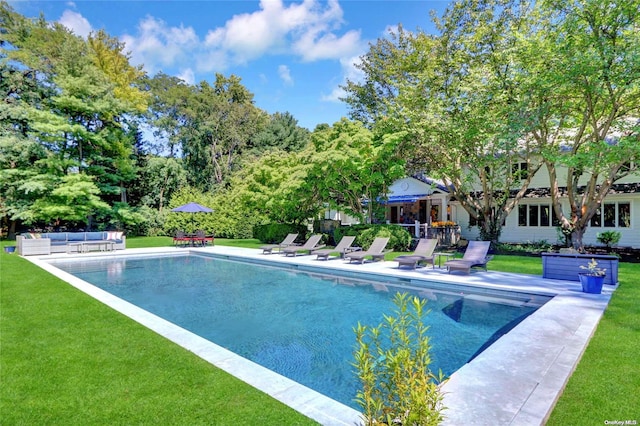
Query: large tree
point(452, 95)
point(86, 94)
point(585, 103)
point(220, 120)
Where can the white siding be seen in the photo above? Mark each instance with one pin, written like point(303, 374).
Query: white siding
point(512, 233)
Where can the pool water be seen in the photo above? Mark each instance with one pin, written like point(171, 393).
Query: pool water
point(298, 324)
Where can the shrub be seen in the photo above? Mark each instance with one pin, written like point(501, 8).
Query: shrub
point(273, 233)
point(399, 238)
point(392, 363)
point(609, 238)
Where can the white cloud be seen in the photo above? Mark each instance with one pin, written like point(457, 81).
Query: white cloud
point(350, 72)
point(304, 29)
point(187, 76)
point(76, 23)
point(158, 45)
point(308, 30)
point(314, 46)
point(285, 75)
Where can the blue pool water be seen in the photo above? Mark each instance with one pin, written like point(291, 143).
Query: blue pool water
point(298, 324)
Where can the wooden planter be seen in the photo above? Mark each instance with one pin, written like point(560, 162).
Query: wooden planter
point(560, 266)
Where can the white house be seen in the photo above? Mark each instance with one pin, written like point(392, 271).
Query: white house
point(532, 221)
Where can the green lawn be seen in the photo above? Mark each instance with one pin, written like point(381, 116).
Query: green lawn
point(60, 364)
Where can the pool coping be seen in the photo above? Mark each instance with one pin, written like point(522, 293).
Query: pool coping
point(517, 380)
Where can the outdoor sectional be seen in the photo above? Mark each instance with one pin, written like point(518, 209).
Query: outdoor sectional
point(69, 242)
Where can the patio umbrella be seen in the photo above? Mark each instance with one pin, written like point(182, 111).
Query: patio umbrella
point(192, 208)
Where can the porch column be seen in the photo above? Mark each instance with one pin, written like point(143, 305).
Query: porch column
point(444, 209)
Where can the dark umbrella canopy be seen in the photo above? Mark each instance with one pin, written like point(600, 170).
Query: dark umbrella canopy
point(192, 208)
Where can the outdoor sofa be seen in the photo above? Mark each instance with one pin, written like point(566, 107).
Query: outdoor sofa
point(66, 242)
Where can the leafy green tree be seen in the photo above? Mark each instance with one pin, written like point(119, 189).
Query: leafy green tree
point(220, 120)
point(282, 132)
point(451, 95)
point(161, 177)
point(350, 168)
point(587, 116)
point(169, 97)
point(74, 197)
point(85, 94)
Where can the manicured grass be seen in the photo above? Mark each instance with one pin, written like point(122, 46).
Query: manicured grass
point(67, 359)
point(60, 364)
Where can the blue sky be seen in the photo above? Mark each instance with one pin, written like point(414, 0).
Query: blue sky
point(293, 56)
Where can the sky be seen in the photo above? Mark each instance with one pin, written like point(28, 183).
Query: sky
point(293, 56)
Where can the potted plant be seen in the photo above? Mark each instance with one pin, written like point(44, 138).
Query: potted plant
point(593, 279)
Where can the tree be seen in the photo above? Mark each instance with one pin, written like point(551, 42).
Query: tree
point(351, 168)
point(79, 114)
point(282, 132)
point(167, 111)
point(452, 95)
point(588, 122)
point(220, 120)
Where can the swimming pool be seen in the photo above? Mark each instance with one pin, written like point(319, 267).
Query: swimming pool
point(299, 324)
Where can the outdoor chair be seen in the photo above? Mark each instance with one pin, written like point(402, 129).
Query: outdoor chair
point(376, 251)
point(203, 239)
point(288, 241)
point(422, 253)
point(474, 256)
point(310, 245)
point(180, 239)
point(343, 247)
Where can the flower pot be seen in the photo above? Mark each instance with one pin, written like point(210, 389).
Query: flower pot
point(591, 283)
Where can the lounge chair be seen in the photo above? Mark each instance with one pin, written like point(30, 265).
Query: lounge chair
point(423, 253)
point(376, 251)
point(288, 241)
point(343, 247)
point(475, 255)
point(310, 245)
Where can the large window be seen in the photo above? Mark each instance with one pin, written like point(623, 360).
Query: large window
point(611, 215)
point(536, 215)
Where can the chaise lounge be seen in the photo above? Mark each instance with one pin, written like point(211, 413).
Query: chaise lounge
point(474, 256)
point(376, 251)
point(343, 247)
point(423, 253)
point(288, 241)
point(310, 245)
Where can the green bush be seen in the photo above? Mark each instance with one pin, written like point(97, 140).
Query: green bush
point(609, 238)
point(399, 238)
point(273, 233)
point(392, 363)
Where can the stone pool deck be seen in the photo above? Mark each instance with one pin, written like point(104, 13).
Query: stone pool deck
point(516, 381)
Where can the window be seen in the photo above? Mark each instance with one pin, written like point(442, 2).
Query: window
point(610, 215)
point(624, 215)
point(520, 171)
point(522, 215)
point(535, 215)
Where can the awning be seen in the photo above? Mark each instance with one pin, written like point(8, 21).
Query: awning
point(403, 198)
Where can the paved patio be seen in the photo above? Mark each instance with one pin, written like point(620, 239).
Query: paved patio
point(515, 381)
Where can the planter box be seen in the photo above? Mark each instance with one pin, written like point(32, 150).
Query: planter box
point(560, 266)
